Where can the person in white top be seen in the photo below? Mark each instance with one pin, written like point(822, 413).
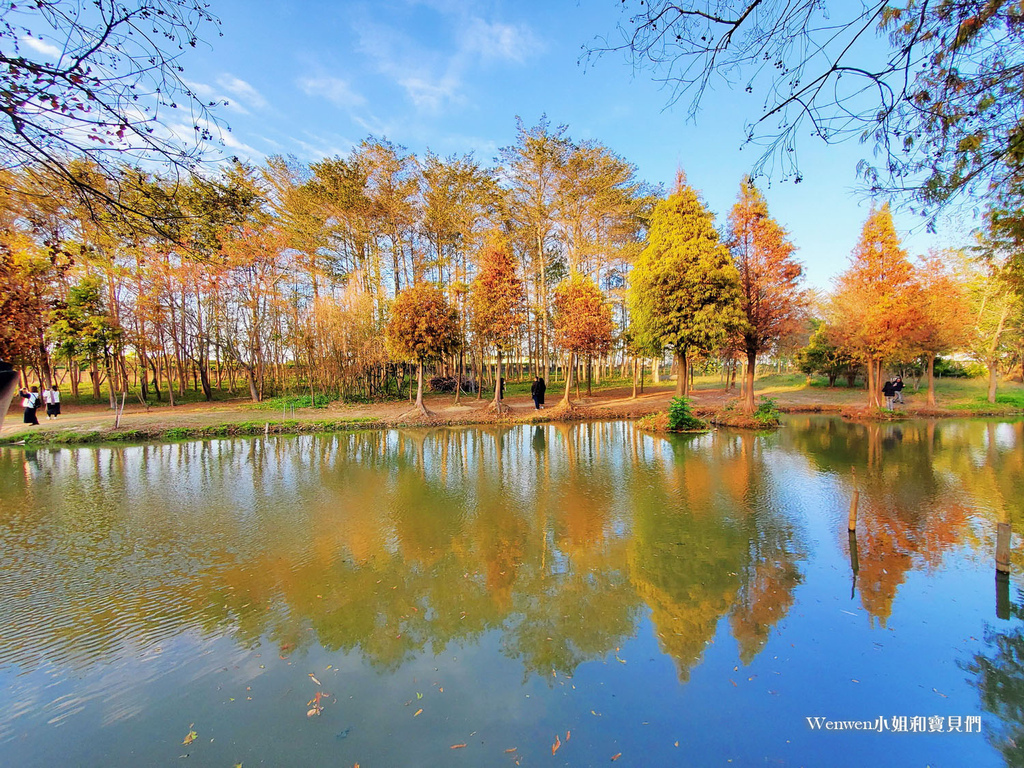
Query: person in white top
point(51, 397)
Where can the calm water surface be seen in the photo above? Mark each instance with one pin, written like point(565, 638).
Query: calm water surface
point(552, 595)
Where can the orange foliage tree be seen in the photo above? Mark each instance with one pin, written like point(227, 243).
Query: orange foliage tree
point(771, 297)
point(877, 301)
point(423, 327)
point(945, 313)
point(582, 321)
point(498, 304)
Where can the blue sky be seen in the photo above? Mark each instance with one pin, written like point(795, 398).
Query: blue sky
point(312, 79)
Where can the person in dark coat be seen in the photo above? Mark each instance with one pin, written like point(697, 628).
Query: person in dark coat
point(889, 390)
point(30, 401)
point(537, 390)
point(897, 386)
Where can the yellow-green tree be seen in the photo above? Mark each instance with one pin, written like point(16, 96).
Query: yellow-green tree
point(684, 290)
point(423, 327)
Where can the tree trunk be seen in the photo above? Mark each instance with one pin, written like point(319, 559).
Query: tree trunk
point(419, 391)
point(748, 393)
point(872, 384)
point(499, 406)
point(931, 381)
point(682, 375)
point(568, 380)
point(635, 369)
point(993, 378)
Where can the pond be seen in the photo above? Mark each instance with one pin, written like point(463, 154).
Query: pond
point(559, 595)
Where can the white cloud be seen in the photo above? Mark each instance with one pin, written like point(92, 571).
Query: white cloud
point(436, 76)
point(432, 96)
point(41, 46)
point(242, 90)
point(334, 89)
point(510, 42)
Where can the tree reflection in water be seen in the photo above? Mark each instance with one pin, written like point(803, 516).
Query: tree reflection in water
point(560, 538)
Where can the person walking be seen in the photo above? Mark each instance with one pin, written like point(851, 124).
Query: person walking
point(30, 401)
point(537, 390)
point(898, 389)
point(889, 390)
point(52, 402)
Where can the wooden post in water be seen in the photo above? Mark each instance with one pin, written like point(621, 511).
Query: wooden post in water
point(1003, 548)
point(852, 523)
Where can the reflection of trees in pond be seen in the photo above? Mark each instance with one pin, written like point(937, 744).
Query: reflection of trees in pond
point(709, 542)
point(390, 543)
point(999, 678)
point(911, 508)
point(575, 602)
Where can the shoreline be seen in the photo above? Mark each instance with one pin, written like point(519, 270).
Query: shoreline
point(588, 409)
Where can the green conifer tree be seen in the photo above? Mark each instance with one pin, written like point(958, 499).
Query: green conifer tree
point(684, 289)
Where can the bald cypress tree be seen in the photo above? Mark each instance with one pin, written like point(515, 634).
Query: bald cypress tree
point(684, 290)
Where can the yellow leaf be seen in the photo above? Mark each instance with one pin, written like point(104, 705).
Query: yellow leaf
point(191, 736)
point(457, 746)
point(616, 756)
point(418, 712)
point(313, 678)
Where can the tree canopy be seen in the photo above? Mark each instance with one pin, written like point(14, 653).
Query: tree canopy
point(941, 102)
point(684, 288)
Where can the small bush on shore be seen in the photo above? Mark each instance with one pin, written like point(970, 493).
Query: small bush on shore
point(681, 418)
point(767, 413)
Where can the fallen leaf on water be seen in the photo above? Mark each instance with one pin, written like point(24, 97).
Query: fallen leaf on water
point(733, 682)
point(191, 735)
point(595, 714)
point(616, 756)
point(314, 711)
point(419, 695)
point(457, 746)
point(440, 690)
point(854, 680)
point(940, 693)
point(509, 751)
point(556, 745)
point(677, 744)
point(418, 713)
point(313, 678)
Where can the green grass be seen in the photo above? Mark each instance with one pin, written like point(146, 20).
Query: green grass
point(229, 429)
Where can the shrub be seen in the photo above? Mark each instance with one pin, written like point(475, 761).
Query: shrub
point(767, 413)
point(681, 418)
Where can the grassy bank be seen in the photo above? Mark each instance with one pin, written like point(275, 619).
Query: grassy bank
point(73, 436)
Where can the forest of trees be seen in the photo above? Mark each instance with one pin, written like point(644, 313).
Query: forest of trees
point(349, 276)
